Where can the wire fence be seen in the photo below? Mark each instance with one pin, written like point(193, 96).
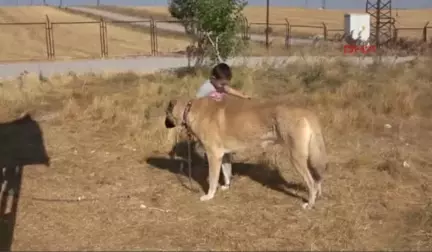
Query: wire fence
point(286, 31)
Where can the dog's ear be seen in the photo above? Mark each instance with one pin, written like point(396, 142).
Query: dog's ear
point(169, 120)
point(171, 106)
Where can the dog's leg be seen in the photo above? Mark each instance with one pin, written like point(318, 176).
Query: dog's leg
point(299, 161)
point(226, 170)
point(215, 163)
point(319, 189)
point(297, 155)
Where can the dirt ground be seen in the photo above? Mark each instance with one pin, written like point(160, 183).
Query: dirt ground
point(112, 186)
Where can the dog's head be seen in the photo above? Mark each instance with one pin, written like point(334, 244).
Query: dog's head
point(172, 114)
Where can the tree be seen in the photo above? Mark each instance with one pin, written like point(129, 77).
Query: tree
point(186, 12)
point(213, 26)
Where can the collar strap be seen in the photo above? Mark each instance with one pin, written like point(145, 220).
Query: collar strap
point(186, 112)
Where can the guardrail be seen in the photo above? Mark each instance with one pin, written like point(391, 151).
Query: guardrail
point(152, 24)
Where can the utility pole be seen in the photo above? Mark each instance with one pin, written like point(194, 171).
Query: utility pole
point(98, 2)
point(323, 6)
point(382, 21)
point(267, 23)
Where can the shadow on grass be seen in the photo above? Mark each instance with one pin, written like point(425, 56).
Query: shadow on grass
point(258, 172)
point(21, 143)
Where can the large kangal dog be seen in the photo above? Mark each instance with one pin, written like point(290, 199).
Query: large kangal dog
point(234, 125)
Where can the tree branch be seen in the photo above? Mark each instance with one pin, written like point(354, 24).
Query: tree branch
point(215, 46)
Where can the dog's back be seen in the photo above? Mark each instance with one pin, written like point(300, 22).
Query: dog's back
point(234, 118)
point(252, 117)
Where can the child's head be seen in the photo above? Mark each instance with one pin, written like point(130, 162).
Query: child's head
point(221, 74)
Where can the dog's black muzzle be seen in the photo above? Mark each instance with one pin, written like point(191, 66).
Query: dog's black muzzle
point(169, 124)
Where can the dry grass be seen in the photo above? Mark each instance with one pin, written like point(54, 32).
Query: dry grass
point(71, 41)
point(107, 128)
point(314, 17)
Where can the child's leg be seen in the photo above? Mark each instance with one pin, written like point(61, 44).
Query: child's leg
point(226, 170)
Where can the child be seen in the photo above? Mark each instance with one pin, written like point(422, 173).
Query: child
point(218, 84)
point(216, 87)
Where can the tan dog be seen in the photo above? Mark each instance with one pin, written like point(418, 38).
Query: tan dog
point(234, 125)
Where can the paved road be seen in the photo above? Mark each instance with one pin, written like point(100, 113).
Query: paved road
point(173, 27)
point(152, 64)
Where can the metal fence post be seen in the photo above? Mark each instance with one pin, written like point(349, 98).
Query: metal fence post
point(106, 38)
point(245, 28)
point(425, 28)
point(151, 36)
point(248, 29)
point(155, 38)
point(49, 38)
point(103, 38)
point(325, 31)
point(287, 33)
point(53, 52)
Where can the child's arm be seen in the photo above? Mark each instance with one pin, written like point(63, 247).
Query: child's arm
point(232, 91)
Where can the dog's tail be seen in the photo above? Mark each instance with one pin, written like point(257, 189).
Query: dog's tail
point(318, 160)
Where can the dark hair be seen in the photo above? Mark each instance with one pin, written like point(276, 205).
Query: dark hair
point(221, 72)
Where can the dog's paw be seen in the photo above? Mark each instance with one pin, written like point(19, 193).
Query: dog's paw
point(319, 191)
point(224, 187)
point(306, 206)
point(206, 197)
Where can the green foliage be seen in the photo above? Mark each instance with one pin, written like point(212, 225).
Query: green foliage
point(185, 11)
point(217, 19)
